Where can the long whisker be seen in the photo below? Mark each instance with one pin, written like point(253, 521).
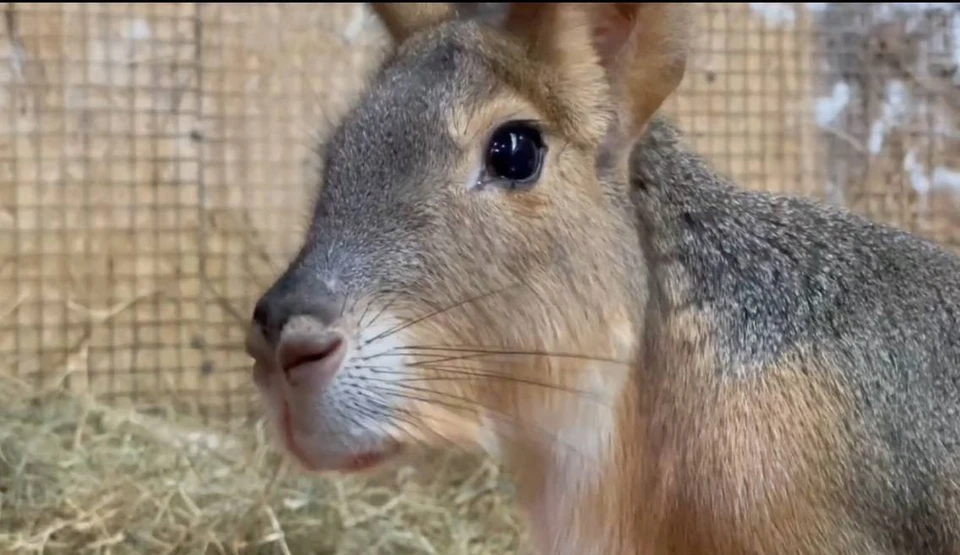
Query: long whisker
point(382, 311)
point(343, 307)
point(372, 302)
point(477, 352)
point(467, 375)
point(392, 415)
point(403, 393)
point(434, 313)
point(360, 410)
point(437, 358)
point(354, 416)
point(363, 314)
point(387, 412)
point(356, 301)
point(449, 358)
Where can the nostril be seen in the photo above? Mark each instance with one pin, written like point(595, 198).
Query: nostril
point(261, 314)
point(325, 351)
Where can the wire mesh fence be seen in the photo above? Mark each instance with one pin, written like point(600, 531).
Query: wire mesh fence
point(156, 160)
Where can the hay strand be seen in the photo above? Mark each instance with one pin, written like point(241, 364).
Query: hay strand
point(77, 476)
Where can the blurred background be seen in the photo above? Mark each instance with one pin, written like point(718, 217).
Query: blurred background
point(157, 163)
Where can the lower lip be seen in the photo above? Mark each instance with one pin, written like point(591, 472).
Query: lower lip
point(369, 460)
point(357, 463)
point(365, 461)
point(292, 444)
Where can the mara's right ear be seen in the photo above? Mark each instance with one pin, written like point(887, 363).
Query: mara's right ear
point(639, 49)
point(402, 20)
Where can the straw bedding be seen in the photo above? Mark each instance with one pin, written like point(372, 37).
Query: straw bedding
point(80, 477)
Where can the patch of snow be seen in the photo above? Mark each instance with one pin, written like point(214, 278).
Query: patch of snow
point(775, 13)
point(917, 173)
point(955, 36)
point(829, 107)
point(945, 178)
point(894, 107)
point(890, 10)
point(816, 6)
point(138, 29)
point(923, 182)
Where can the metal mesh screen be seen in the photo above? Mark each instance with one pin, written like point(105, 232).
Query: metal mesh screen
point(155, 160)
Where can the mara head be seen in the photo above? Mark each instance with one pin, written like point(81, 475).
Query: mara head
point(471, 274)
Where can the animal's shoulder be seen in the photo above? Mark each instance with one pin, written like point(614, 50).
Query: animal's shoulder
point(777, 271)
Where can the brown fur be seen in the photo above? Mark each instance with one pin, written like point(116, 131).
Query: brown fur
point(759, 464)
point(401, 21)
point(566, 328)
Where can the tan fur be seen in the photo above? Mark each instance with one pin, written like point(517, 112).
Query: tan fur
point(745, 471)
point(556, 76)
point(403, 20)
point(633, 446)
point(749, 466)
point(706, 483)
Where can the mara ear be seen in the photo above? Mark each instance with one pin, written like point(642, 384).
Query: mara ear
point(640, 50)
point(402, 20)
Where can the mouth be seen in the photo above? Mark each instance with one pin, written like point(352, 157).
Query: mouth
point(365, 461)
point(355, 463)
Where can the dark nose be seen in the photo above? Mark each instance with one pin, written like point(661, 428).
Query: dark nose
point(278, 306)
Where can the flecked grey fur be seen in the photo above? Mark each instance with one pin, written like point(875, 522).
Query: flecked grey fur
point(781, 272)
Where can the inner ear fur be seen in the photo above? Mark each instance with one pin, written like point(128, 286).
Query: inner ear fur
point(405, 19)
point(642, 49)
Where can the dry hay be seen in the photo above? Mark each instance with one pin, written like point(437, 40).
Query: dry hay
point(79, 477)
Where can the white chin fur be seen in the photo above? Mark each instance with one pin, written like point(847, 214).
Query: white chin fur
point(375, 370)
point(357, 410)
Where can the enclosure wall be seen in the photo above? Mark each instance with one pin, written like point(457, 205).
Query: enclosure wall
point(157, 160)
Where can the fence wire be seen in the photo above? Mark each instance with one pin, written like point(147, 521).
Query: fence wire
point(156, 160)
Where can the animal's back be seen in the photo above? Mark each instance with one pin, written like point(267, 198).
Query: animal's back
point(781, 275)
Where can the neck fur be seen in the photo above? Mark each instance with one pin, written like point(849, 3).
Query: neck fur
point(560, 467)
point(569, 462)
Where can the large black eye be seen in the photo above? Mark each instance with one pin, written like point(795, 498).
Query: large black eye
point(515, 153)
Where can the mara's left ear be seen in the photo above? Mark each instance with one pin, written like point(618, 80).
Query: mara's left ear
point(640, 49)
point(402, 20)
